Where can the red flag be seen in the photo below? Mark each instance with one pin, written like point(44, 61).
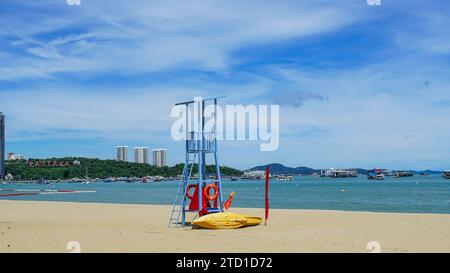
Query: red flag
point(267, 195)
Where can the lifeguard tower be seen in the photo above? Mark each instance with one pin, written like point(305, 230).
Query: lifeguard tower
point(193, 193)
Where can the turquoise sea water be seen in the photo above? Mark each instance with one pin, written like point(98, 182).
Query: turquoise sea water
point(422, 194)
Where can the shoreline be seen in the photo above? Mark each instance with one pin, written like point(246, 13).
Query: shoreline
point(43, 226)
point(236, 207)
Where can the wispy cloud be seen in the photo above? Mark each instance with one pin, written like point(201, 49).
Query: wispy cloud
point(153, 35)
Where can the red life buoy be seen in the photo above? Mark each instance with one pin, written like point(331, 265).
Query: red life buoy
point(206, 192)
point(189, 189)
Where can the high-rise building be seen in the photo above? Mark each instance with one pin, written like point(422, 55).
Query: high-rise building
point(122, 153)
point(2, 145)
point(141, 154)
point(160, 157)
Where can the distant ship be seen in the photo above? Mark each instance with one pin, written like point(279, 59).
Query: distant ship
point(285, 178)
point(338, 173)
point(375, 174)
point(403, 174)
point(446, 174)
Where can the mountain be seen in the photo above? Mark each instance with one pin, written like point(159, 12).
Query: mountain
point(427, 171)
point(362, 171)
point(277, 168)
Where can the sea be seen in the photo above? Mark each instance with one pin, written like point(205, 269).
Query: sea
point(417, 194)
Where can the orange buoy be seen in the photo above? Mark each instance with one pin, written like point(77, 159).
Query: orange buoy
point(206, 192)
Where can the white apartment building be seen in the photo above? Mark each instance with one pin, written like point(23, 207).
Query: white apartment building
point(160, 157)
point(141, 154)
point(122, 153)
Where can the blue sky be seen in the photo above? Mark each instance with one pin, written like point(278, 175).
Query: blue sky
point(358, 85)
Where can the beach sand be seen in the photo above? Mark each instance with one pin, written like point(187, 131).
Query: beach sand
point(27, 226)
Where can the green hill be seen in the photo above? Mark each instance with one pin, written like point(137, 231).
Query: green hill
point(21, 169)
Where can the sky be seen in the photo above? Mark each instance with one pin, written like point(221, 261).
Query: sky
point(358, 85)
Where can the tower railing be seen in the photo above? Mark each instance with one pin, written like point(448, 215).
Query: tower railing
point(197, 142)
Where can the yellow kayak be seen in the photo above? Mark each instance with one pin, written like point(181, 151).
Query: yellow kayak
point(226, 220)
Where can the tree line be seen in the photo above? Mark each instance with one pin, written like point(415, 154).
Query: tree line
point(97, 168)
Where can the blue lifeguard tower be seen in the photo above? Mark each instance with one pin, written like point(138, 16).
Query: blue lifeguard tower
point(199, 146)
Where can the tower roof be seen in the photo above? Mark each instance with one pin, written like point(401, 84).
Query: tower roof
point(203, 99)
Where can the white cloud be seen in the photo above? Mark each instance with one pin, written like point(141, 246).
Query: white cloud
point(102, 36)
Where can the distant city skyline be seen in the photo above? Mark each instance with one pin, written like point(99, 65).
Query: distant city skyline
point(358, 85)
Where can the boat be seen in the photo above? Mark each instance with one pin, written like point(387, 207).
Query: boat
point(375, 175)
point(86, 180)
point(285, 178)
point(234, 178)
point(446, 174)
point(226, 220)
point(338, 173)
point(254, 175)
point(403, 174)
point(379, 176)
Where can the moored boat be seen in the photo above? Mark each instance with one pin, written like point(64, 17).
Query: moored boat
point(403, 174)
point(338, 173)
point(285, 178)
point(446, 174)
point(375, 175)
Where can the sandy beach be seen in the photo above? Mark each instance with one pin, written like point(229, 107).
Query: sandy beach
point(27, 226)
